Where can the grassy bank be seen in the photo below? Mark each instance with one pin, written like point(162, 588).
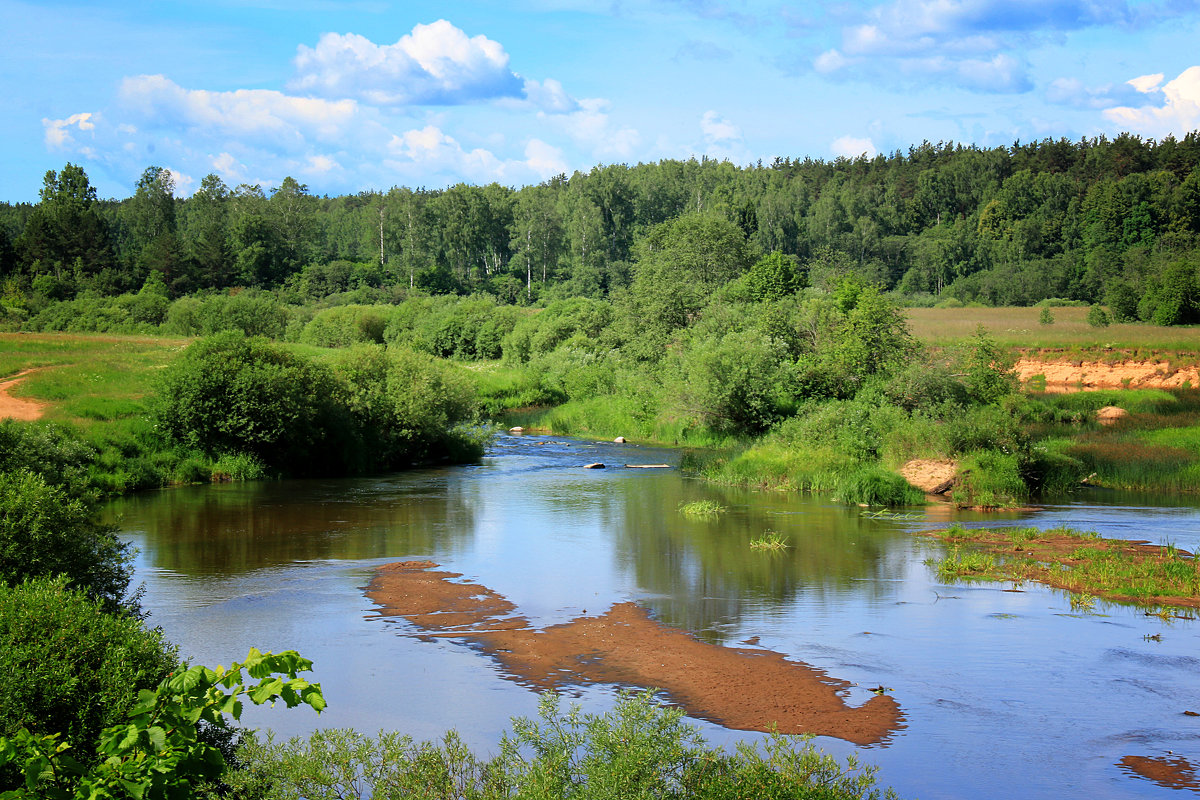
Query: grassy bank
point(1155, 448)
point(1083, 563)
point(142, 412)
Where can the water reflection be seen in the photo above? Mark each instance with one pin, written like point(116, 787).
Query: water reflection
point(1008, 694)
point(232, 529)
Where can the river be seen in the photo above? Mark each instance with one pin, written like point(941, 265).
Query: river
point(1005, 694)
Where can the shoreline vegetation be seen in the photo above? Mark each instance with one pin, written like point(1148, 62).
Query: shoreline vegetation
point(1079, 562)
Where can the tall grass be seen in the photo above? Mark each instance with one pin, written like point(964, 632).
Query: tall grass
point(1019, 328)
point(609, 416)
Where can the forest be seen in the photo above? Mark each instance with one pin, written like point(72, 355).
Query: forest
point(1111, 221)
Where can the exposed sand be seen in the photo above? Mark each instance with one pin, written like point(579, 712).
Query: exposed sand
point(930, 475)
point(1117, 375)
point(1173, 773)
point(740, 688)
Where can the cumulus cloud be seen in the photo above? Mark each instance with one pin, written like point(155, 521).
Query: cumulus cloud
point(1074, 93)
point(973, 44)
point(59, 133)
point(436, 64)
point(1175, 108)
point(853, 147)
point(256, 114)
point(349, 110)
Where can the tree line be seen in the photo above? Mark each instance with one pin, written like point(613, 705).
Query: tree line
point(1098, 220)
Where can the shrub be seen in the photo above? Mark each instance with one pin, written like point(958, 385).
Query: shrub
point(1046, 317)
point(637, 750)
point(991, 478)
point(1097, 317)
point(69, 666)
point(404, 406)
point(50, 450)
point(988, 368)
point(733, 383)
point(229, 393)
point(169, 745)
point(342, 326)
point(45, 532)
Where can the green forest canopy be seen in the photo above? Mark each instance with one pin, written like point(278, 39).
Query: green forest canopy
point(1098, 220)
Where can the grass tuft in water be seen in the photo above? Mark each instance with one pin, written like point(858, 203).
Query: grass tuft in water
point(701, 509)
point(770, 540)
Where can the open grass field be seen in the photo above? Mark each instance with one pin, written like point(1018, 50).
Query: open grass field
point(1070, 332)
point(84, 378)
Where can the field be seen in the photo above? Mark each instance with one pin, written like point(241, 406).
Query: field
point(1019, 328)
point(85, 378)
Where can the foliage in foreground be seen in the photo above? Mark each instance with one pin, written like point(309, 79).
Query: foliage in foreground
point(637, 750)
point(160, 752)
point(72, 667)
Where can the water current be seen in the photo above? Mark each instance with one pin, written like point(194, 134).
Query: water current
point(1005, 694)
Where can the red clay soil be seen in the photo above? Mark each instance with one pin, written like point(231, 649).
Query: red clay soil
point(739, 688)
point(1173, 773)
point(18, 407)
point(1101, 375)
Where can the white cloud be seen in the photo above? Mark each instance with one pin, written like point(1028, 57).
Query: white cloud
point(183, 183)
point(717, 130)
point(347, 123)
point(1178, 114)
point(256, 114)
point(544, 160)
point(549, 96)
point(1147, 83)
point(853, 147)
point(975, 44)
point(58, 131)
point(436, 64)
point(1073, 92)
point(591, 126)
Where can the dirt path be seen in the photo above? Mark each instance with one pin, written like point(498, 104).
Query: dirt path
point(740, 688)
point(21, 408)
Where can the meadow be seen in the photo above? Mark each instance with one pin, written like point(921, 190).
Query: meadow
point(1070, 334)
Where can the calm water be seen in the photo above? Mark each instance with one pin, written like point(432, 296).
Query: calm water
point(1006, 694)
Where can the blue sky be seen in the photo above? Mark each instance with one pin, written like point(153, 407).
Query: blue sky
point(368, 94)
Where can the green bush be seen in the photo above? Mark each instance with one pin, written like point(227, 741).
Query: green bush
point(232, 394)
point(69, 666)
point(1097, 317)
point(52, 451)
point(637, 750)
point(169, 745)
point(44, 531)
point(991, 479)
point(342, 326)
point(735, 383)
point(251, 312)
